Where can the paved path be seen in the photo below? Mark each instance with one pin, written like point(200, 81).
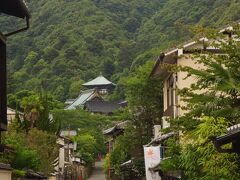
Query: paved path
point(98, 173)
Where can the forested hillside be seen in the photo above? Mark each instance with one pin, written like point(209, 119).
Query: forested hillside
point(71, 41)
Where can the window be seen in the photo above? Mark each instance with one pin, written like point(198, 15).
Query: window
point(170, 91)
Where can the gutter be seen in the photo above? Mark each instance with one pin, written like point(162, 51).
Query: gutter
point(159, 60)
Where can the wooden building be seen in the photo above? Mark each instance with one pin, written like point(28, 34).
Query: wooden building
point(68, 165)
point(84, 96)
point(18, 9)
point(112, 133)
point(92, 99)
point(101, 107)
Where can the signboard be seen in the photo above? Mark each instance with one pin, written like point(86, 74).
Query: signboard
point(152, 158)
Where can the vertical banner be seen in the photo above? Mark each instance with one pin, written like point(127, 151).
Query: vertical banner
point(152, 158)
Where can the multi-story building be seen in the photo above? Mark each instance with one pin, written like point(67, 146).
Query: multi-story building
point(173, 103)
point(173, 81)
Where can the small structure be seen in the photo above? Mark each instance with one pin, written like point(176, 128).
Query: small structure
point(66, 148)
point(232, 137)
point(84, 96)
point(160, 141)
point(112, 133)
point(12, 114)
point(101, 83)
point(68, 165)
point(102, 107)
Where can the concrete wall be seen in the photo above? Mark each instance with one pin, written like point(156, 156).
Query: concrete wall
point(52, 178)
point(181, 82)
point(5, 175)
point(186, 60)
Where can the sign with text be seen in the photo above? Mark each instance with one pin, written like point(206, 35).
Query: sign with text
point(152, 159)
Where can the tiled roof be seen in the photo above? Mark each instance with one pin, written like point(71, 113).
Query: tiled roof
point(99, 81)
point(161, 138)
point(83, 97)
point(5, 166)
point(120, 126)
point(101, 106)
point(186, 45)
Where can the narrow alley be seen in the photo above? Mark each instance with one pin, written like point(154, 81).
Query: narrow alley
point(98, 173)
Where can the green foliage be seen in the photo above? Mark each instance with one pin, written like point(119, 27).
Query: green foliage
point(46, 148)
point(18, 173)
point(144, 96)
point(199, 157)
point(216, 92)
point(106, 164)
point(72, 39)
point(36, 109)
point(89, 126)
point(120, 153)
point(75, 88)
point(35, 150)
point(213, 105)
point(86, 147)
point(196, 155)
point(22, 157)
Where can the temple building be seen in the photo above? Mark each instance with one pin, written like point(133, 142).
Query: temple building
point(84, 96)
point(102, 107)
point(101, 83)
point(93, 99)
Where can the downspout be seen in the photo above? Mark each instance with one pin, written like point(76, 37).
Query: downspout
point(175, 78)
point(20, 30)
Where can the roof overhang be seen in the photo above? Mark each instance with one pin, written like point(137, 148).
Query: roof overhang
point(120, 127)
point(15, 8)
point(161, 139)
point(159, 69)
point(170, 57)
point(232, 136)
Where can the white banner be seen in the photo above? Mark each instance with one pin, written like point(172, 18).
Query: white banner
point(152, 158)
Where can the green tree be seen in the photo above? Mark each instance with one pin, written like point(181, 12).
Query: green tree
point(216, 92)
point(44, 144)
point(144, 96)
point(200, 159)
point(215, 95)
point(86, 147)
point(75, 88)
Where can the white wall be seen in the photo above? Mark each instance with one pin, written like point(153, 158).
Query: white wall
point(5, 175)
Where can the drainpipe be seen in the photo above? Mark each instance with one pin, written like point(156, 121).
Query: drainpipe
point(19, 30)
point(3, 73)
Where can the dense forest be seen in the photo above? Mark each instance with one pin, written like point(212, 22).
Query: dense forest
point(72, 41)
